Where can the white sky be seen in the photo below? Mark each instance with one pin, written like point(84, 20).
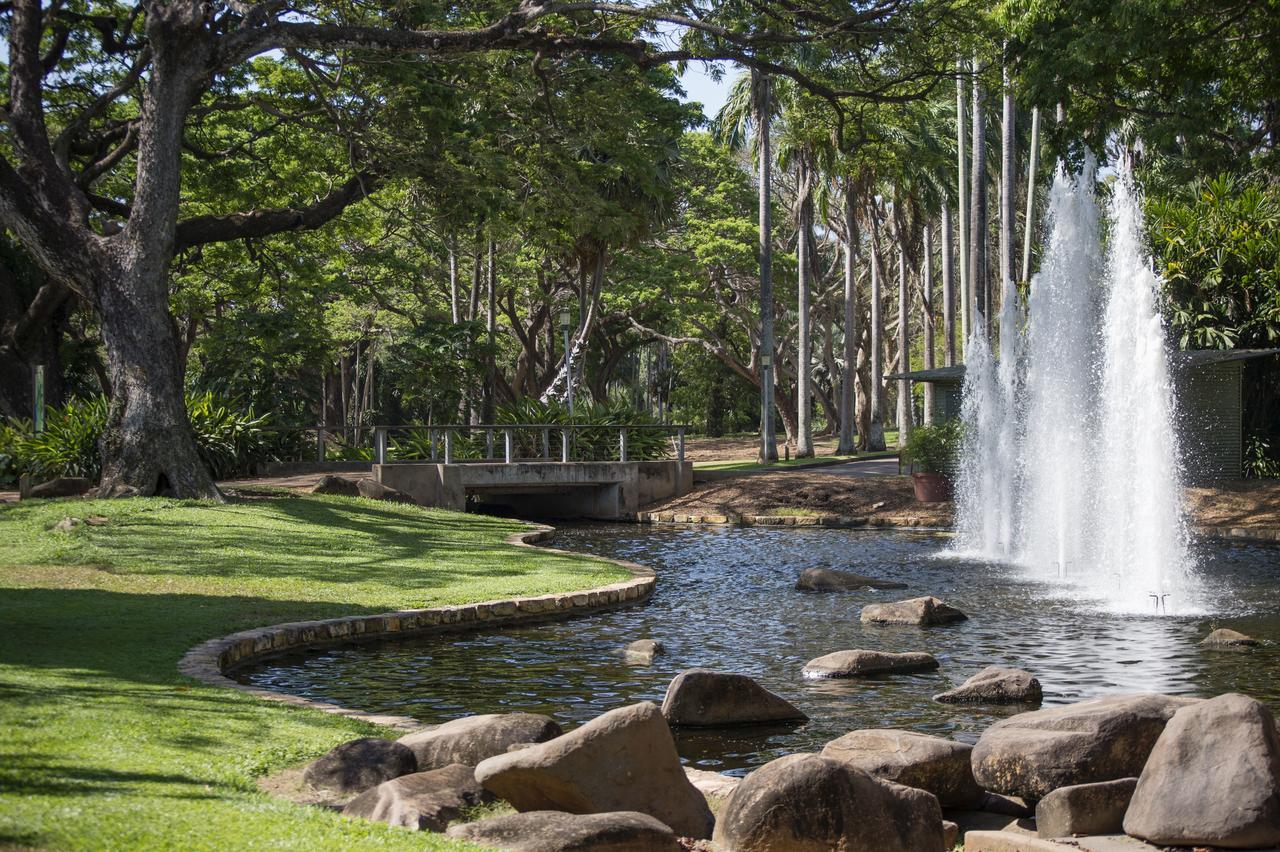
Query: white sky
point(701, 88)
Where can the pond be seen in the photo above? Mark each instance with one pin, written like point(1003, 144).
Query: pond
point(726, 600)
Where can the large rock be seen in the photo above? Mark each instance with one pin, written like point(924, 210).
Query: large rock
point(1225, 637)
point(552, 831)
point(1085, 809)
point(1213, 779)
point(623, 760)
point(355, 766)
point(63, 486)
point(996, 685)
point(372, 490)
point(1103, 739)
point(715, 786)
point(423, 801)
point(864, 663)
point(808, 803)
point(340, 485)
point(642, 652)
point(923, 612)
point(833, 580)
point(917, 760)
point(705, 698)
point(471, 739)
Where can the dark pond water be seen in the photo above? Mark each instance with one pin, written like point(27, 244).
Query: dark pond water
point(726, 600)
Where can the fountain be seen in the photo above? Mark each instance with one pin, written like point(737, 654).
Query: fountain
point(1070, 467)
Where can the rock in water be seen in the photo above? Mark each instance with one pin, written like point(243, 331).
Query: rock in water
point(471, 739)
point(642, 651)
point(371, 490)
point(623, 760)
point(1226, 638)
point(923, 612)
point(1103, 739)
point(1085, 809)
point(995, 685)
point(938, 766)
point(340, 485)
point(423, 801)
point(1213, 778)
point(705, 698)
point(864, 663)
point(355, 766)
point(552, 831)
point(832, 580)
point(807, 803)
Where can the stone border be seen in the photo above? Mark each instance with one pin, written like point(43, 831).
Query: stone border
point(209, 661)
point(836, 521)
point(1264, 535)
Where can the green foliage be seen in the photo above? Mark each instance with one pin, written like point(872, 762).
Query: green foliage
point(68, 446)
point(934, 448)
point(1261, 461)
point(1218, 245)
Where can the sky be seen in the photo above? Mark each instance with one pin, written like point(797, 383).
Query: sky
point(700, 87)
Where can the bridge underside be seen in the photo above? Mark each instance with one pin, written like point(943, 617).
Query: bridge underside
point(601, 490)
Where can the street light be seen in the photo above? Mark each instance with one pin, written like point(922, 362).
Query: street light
point(565, 320)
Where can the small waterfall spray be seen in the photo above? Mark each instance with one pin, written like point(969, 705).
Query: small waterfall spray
point(1070, 466)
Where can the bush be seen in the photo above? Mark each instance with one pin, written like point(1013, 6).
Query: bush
point(934, 448)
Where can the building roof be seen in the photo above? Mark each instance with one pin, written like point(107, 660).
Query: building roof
point(1190, 359)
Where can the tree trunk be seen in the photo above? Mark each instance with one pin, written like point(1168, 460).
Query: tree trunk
point(926, 316)
point(1008, 180)
point(455, 312)
point(904, 349)
point(978, 215)
point(847, 445)
point(948, 292)
point(762, 119)
point(875, 417)
point(962, 209)
point(1029, 221)
point(31, 330)
point(491, 329)
point(804, 354)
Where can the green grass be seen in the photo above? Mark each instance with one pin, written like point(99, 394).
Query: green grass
point(106, 746)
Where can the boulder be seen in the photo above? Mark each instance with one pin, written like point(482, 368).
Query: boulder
point(339, 485)
point(623, 760)
point(1213, 778)
point(700, 697)
point(995, 685)
point(1085, 809)
point(864, 663)
point(833, 580)
point(471, 739)
point(67, 524)
point(1008, 841)
point(642, 651)
point(355, 766)
point(916, 760)
point(552, 831)
point(1103, 739)
point(923, 612)
point(63, 486)
point(371, 490)
point(1224, 637)
point(423, 801)
point(716, 786)
point(808, 803)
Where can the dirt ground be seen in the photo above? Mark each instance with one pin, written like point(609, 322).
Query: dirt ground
point(1242, 504)
point(744, 448)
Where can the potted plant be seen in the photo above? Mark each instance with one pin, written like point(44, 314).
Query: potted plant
point(932, 451)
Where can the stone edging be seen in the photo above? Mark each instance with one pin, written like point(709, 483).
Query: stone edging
point(838, 521)
point(209, 661)
point(1242, 534)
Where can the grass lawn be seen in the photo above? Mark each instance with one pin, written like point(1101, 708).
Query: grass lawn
point(106, 746)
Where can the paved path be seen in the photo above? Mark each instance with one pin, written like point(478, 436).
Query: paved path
point(860, 467)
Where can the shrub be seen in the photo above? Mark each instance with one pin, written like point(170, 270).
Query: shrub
point(934, 448)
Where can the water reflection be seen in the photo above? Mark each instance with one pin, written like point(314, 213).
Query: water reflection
point(726, 600)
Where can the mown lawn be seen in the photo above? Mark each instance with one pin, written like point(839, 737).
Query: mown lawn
point(103, 745)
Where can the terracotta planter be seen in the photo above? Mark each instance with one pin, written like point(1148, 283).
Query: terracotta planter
point(931, 487)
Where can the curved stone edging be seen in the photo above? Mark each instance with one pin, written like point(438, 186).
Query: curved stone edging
point(1252, 534)
point(209, 661)
point(835, 521)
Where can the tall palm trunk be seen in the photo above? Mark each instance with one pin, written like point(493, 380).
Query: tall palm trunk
point(978, 211)
point(762, 118)
point(904, 347)
point(1029, 221)
point(1008, 179)
point(962, 206)
point(948, 292)
point(804, 355)
point(874, 438)
point(849, 380)
point(926, 317)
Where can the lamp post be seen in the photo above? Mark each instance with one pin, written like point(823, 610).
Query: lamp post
point(568, 358)
point(766, 362)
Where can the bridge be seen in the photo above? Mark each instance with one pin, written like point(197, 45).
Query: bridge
point(547, 470)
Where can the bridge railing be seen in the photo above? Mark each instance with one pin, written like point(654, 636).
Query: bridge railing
point(497, 442)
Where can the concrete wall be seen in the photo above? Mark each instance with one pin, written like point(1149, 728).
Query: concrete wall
point(542, 489)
